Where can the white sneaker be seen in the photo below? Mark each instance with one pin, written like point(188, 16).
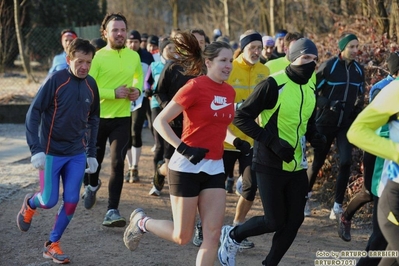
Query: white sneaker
point(133, 233)
point(307, 211)
point(336, 212)
point(228, 248)
point(154, 191)
point(239, 186)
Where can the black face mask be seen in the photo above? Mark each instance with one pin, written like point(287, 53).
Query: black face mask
point(303, 72)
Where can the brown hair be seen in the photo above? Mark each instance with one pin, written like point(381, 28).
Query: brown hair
point(108, 18)
point(290, 37)
point(189, 54)
point(80, 45)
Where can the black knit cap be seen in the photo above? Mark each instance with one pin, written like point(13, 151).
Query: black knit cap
point(393, 63)
point(134, 35)
point(300, 47)
point(152, 39)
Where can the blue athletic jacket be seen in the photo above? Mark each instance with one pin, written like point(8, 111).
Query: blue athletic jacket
point(336, 80)
point(65, 110)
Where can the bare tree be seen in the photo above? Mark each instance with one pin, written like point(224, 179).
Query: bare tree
point(226, 17)
point(24, 57)
point(175, 13)
point(272, 23)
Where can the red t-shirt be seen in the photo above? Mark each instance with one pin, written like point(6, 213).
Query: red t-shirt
point(208, 110)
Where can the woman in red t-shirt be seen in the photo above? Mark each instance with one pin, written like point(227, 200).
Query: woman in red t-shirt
point(196, 172)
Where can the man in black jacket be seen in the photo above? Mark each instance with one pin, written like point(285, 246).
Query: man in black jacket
point(340, 87)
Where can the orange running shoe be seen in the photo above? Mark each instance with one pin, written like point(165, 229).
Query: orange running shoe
point(24, 217)
point(53, 251)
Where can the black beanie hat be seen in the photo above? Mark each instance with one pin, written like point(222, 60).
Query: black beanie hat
point(393, 63)
point(247, 39)
point(152, 39)
point(134, 35)
point(300, 47)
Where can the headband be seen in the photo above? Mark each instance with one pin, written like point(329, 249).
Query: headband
point(68, 33)
point(343, 42)
point(250, 38)
point(280, 35)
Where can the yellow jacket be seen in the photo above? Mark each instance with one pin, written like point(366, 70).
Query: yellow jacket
point(244, 78)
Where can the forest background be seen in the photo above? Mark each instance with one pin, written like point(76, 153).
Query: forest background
point(29, 38)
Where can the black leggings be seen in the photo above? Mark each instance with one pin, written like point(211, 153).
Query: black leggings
point(117, 132)
point(283, 196)
point(159, 142)
point(389, 205)
point(249, 184)
point(345, 159)
point(138, 118)
point(364, 196)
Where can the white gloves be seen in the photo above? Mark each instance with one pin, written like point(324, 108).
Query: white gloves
point(93, 164)
point(38, 160)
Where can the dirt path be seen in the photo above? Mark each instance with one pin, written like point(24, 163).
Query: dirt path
point(89, 243)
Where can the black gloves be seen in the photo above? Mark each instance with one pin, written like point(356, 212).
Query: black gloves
point(282, 149)
point(318, 141)
point(337, 106)
point(148, 93)
point(242, 145)
point(193, 154)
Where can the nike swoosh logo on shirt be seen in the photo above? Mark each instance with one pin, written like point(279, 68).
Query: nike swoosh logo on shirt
point(216, 107)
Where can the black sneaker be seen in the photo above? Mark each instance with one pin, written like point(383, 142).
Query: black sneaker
point(246, 244)
point(134, 177)
point(197, 240)
point(90, 196)
point(159, 180)
point(344, 229)
point(229, 185)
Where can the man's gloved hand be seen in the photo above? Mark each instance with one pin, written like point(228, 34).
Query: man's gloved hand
point(336, 106)
point(193, 154)
point(242, 145)
point(148, 93)
point(38, 160)
point(318, 141)
point(92, 165)
point(282, 149)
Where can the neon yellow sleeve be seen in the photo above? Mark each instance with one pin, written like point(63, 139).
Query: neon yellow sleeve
point(362, 132)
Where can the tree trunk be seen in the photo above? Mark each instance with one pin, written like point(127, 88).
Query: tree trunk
point(383, 16)
point(272, 23)
point(24, 58)
point(283, 20)
point(175, 13)
point(394, 19)
point(264, 25)
point(226, 17)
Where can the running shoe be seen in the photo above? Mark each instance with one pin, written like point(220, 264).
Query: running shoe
point(228, 247)
point(24, 217)
point(198, 237)
point(133, 233)
point(54, 252)
point(114, 219)
point(90, 195)
point(344, 228)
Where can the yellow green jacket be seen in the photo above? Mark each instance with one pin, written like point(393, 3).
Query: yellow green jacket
point(244, 78)
point(111, 69)
point(363, 131)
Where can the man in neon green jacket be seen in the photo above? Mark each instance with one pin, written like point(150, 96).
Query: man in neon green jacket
point(118, 73)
